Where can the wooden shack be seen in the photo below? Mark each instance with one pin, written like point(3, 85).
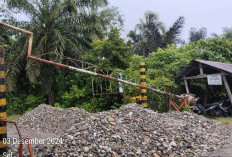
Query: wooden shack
point(216, 73)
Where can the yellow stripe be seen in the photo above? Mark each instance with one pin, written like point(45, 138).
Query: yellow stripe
point(142, 69)
point(2, 88)
point(2, 145)
point(144, 97)
point(2, 74)
point(3, 115)
point(2, 101)
point(1, 60)
point(145, 104)
point(143, 83)
point(3, 130)
point(142, 76)
point(144, 90)
point(142, 63)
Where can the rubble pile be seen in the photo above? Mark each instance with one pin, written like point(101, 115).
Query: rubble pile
point(129, 131)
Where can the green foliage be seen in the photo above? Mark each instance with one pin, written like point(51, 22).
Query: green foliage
point(21, 103)
point(164, 65)
point(111, 53)
point(186, 109)
point(214, 49)
point(75, 89)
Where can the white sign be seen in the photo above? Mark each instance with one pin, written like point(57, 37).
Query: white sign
point(214, 80)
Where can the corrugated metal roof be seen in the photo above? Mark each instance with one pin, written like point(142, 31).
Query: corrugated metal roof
point(213, 65)
point(222, 66)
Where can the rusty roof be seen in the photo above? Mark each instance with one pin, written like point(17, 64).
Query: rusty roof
point(209, 67)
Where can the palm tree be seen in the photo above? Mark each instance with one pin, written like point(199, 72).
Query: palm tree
point(64, 27)
point(4, 37)
point(151, 34)
point(195, 35)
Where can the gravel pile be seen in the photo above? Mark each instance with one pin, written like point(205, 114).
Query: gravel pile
point(46, 118)
point(128, 131)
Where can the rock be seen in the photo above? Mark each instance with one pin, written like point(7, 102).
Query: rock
point(113, 123)
point(110, 119)
point(108, 150)
point(173, 143)
point(155, 155)
point(165, 145)
point(130, 114)
point(161, 148)
point(70, 137)
point(138, 151)
point(86, 149)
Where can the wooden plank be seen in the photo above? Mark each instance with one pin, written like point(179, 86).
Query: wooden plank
point(227, 87)
point(186, 86)
point(202, 76)
point(201, 69)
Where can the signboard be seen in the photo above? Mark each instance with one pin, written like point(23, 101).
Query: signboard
point(214, 80)
point(119, 83)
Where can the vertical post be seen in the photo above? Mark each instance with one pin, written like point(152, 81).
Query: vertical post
point(3, 127)
point(201, 69)
point(186, 86)
point(120, 85)
point(144, 83)
point(227, 87)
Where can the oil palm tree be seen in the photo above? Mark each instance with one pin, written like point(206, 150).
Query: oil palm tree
point(64, 27)
point(195, 35)
point(151, 34)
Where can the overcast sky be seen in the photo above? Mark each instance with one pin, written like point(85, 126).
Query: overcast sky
point(212, 14)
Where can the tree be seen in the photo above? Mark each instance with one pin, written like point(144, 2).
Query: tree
point(227, 33)
point(110, 53)
point(5, 39)
point(195, 35)
point(63, 27)
point(149, 35)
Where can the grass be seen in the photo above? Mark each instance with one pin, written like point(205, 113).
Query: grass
point(13, 117)
point(225, 121)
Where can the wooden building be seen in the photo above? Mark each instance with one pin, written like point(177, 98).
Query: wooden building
point(216, 73)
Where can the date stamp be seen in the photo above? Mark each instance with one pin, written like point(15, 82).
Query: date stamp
point(32, 141)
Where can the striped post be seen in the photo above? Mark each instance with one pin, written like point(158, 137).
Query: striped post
point(143, 83)
point(3, 127)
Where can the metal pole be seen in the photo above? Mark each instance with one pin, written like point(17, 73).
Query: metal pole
point(105, 76)
point(3, 127)
point(143, 83)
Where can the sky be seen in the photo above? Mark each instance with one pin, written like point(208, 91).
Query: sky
point(212, 14)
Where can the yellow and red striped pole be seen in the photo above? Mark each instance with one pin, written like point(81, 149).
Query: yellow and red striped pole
point(3, 127)
point(143, 83)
